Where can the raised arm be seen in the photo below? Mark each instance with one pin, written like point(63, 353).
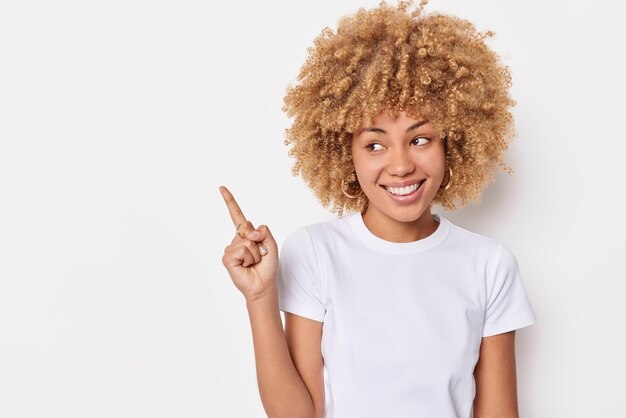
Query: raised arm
point(252, 262)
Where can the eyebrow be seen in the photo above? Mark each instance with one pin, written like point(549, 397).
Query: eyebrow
point(414, 126)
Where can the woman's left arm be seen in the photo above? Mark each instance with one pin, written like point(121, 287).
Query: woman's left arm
point(495, 375)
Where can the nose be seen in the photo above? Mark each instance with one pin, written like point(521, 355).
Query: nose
point(400, 162)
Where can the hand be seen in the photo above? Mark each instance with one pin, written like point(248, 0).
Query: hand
point(252, 262)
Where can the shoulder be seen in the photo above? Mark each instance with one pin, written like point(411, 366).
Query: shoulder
point(491, 253)
point(314, 233)
point(493, 257)
point(473, 243)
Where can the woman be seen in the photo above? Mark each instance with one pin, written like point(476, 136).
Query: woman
point(391, 311)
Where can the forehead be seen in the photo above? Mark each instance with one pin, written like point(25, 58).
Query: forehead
point(385, 119)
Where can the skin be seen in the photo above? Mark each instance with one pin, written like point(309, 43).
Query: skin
point(251, 259)
point(397, 155)
point(387, 151)
point(495, 376)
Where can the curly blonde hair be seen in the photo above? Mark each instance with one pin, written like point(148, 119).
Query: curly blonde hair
point(433, 66)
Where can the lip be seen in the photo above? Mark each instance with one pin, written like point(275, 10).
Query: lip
point(402, 183)
point(409, 198)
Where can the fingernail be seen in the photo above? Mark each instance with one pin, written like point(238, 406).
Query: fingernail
point(262, 249)
point(253, 234)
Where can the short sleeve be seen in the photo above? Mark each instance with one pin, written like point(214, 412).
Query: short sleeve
point(298, 279)
point(508, 307)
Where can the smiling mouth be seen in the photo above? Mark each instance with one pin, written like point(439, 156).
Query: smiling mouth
point(403, 191)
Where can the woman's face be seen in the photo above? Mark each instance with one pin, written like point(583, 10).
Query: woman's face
point(391, 157)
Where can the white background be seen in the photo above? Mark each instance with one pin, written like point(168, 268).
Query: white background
point(118, 122)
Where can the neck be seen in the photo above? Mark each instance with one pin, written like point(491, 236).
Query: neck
point(393, 230)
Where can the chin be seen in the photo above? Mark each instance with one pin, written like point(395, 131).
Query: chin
point(409, 216)
point(406, 214)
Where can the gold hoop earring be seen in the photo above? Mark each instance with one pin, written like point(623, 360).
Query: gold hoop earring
point(447, 186)
point(343, 182)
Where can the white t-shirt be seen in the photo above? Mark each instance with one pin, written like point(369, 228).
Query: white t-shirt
point(402, 322)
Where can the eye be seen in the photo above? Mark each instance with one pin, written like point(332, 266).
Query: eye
point(420, 137)
point(369, 146)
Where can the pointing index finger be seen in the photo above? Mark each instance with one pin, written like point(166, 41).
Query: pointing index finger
point(233, 208)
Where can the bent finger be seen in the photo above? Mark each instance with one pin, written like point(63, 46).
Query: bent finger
point(253, 247)
point(258, 237)
point(246, 257)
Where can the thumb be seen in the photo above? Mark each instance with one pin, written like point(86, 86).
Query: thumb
point(266, 238)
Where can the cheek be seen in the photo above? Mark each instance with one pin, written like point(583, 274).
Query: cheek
point(434, 164)
point(359, 161)
point(367, 168)
point(435, 160)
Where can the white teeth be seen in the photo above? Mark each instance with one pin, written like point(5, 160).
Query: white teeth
point(404, 190)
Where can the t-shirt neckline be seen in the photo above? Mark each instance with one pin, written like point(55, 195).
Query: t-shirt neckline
point(399, 248)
